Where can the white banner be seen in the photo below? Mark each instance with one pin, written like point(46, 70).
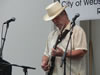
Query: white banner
point(88, 9)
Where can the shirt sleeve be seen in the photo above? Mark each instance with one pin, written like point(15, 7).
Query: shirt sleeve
point(46, 52)
point(47, 49)
point(79, 39)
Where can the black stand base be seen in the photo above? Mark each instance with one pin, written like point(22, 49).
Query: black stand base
point(5, 69)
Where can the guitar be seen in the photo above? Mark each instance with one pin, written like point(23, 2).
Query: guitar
point(59, 39)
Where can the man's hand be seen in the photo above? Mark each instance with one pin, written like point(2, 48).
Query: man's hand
point(45, 66)
point(57, 52)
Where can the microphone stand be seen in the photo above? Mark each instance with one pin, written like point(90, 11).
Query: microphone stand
point(2, 46)
point(4, 70)
point(3, 38)
point(24, 67)
point(63, 59)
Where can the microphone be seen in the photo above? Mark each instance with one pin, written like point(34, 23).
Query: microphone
point(75, 17)
point(10, 20)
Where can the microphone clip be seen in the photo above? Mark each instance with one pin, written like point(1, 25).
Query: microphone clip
point(10, 20)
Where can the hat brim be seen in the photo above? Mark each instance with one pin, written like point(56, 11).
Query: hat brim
point(47, 17)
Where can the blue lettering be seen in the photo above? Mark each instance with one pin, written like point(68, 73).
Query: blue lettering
point(91, 2)
point(98, 10)
point(86, 2)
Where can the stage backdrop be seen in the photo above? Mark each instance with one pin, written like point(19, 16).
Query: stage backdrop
point(88, 9)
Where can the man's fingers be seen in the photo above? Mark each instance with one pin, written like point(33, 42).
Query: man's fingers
point(47, 67)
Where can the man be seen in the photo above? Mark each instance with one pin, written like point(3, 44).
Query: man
point(77, 44)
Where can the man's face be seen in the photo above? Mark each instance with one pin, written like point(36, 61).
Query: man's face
point(59, 21)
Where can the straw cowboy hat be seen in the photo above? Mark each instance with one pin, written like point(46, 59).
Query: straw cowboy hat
point(53, 10)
